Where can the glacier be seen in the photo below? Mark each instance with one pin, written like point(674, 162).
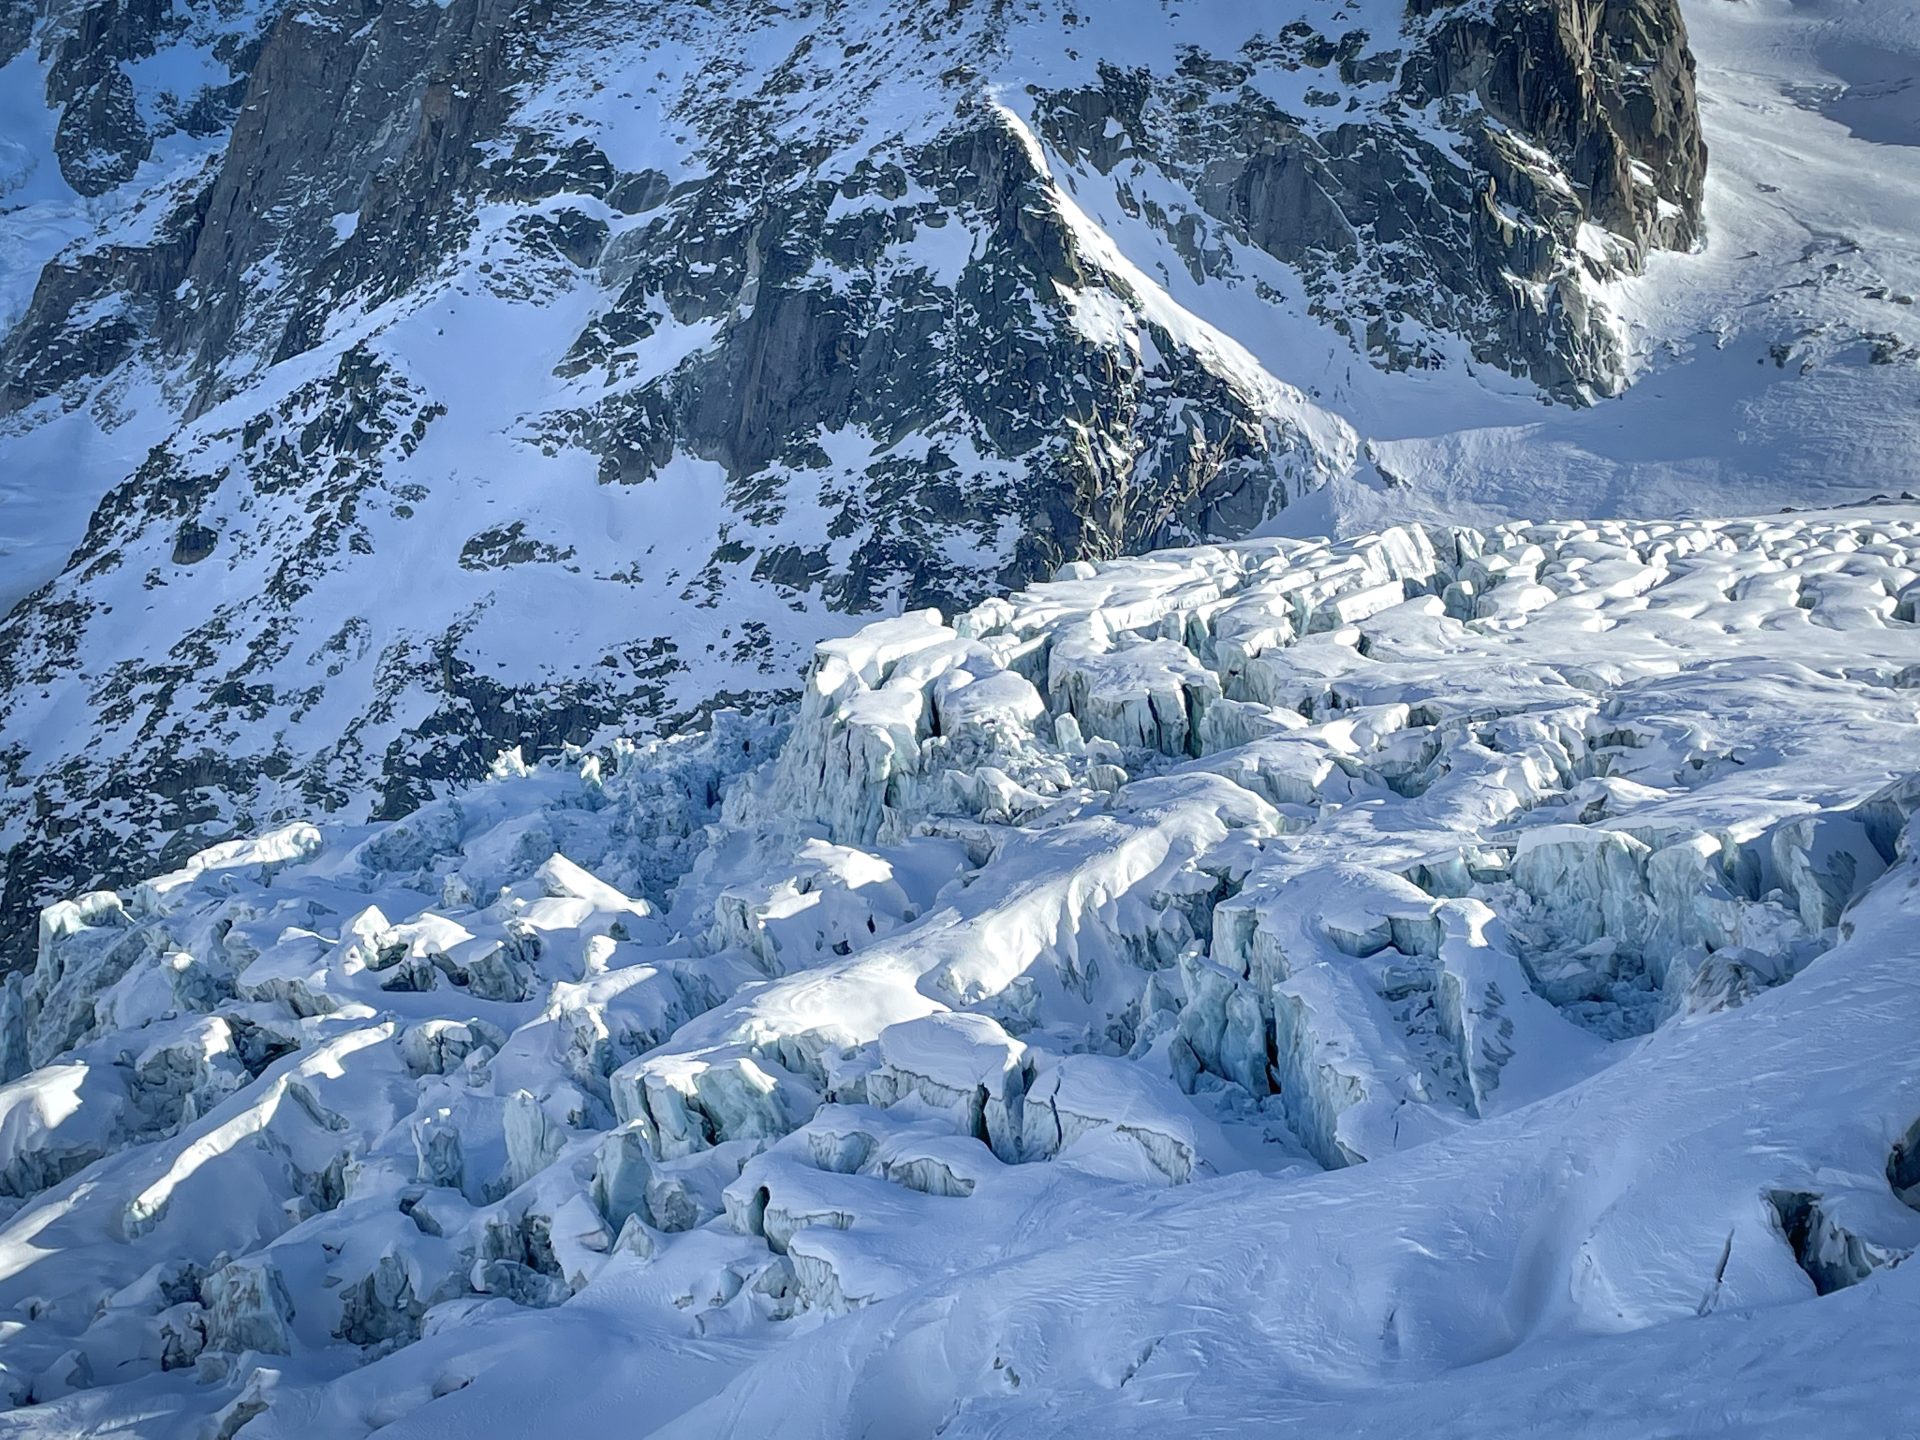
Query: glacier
point(1403, 962)
point(1455, 977)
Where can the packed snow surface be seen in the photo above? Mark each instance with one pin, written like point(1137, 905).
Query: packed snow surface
point(1445, 981)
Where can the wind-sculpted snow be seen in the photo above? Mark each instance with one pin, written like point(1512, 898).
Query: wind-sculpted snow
point(1396, 973)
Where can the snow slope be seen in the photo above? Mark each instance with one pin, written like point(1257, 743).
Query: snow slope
point(58, 463)
point(1445, 978)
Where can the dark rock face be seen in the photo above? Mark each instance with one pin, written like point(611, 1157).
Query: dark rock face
point(104, 131)
point(1363, 194)
point(536, 368)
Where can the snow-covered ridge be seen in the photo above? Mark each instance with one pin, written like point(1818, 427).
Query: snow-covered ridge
point(1539, 868)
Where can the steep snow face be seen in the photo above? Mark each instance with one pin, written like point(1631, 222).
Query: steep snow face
point(111, 122)
point(700, 329)
point(1432, 974)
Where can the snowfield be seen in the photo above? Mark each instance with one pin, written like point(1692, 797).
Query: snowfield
point(1445, 980)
